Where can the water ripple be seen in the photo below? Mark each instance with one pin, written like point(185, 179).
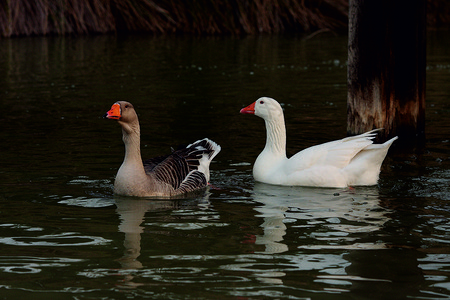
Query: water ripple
point(30, 265)
point(87, 202)
point(61, 240)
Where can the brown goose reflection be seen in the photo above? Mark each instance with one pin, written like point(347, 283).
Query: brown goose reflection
point(132, 212)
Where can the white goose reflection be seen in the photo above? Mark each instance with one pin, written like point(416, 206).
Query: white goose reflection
point(328, 216)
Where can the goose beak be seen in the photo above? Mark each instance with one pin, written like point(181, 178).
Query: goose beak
point(249, 109)
point(114, 112)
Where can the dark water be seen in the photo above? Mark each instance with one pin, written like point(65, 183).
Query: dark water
point(64, 235)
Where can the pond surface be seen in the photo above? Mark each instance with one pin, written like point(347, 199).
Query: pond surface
point(64, 235)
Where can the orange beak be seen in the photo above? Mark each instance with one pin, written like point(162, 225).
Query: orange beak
point(114, 112)
point(249, 109)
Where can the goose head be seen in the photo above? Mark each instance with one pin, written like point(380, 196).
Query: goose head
point(124, 113)
point(267, 108)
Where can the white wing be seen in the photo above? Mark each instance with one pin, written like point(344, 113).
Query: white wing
point(336, 153)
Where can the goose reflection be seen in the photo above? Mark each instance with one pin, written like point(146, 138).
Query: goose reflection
point(328, 216)
point(132, 212)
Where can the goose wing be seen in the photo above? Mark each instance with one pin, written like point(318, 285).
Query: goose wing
point(151, 163)
point(180, 169)
point(336, 153)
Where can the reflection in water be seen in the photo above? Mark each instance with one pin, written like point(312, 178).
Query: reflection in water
point(333, 215)
point(132, 212)
point(329, 219)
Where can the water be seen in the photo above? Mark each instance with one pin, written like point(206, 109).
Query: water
point(64, 235)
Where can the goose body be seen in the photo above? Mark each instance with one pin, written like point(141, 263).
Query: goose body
point(183, 171)
point(350, 161)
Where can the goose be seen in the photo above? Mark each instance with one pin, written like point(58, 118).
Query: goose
point(352, 161)
point(183, 171)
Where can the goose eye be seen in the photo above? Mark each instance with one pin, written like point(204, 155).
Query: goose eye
point(126, 106)
point(261, 102)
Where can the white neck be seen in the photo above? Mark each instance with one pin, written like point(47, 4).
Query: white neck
point(274, 152)
point(276, 136)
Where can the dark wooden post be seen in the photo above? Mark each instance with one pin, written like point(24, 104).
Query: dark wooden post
point(386, 68)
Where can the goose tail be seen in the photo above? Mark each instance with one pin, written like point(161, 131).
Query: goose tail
point(204, 150)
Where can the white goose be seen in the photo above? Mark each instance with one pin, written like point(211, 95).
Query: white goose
point(351, 161)
point(178, 173)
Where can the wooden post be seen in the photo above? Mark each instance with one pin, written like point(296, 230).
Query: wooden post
point(386, 68)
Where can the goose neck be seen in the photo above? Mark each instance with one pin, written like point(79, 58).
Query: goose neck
point(131, 138)
point(276, 136)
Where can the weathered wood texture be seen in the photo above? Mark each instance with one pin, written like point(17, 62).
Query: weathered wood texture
point(386, 67)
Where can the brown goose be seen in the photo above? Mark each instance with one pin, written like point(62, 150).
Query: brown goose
point(180, 172)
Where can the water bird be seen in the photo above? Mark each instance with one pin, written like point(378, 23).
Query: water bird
point(180, 172)
point(351, 161)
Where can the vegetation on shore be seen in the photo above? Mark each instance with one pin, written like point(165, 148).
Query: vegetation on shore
point(203, 17)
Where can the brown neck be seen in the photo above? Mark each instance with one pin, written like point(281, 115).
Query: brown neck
point(132, 140)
